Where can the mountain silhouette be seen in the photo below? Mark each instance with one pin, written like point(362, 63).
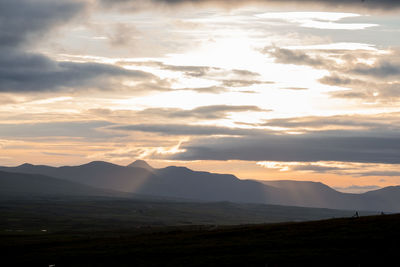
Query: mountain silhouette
point(140, 164)
point(36, 184)
point(183, 183)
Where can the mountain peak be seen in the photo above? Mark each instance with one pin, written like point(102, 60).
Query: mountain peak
point(25, 165)
point(140, 164)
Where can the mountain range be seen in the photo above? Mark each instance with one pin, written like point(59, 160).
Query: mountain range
point(139, 178)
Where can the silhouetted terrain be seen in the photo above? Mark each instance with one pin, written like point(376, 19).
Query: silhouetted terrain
point(55, 213)
point(364, 241)
point(21, 184)
point(183, 183)
point(102, 214)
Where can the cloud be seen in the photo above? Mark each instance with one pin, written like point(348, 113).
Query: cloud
point(384, 121)
point(5, 100)
point(367, 90)
point(294, 88)
point(296, 57)
point(206, 90)
point(21, 20)
point(155, 115)
point(384, 67)
point(369, 75)
point(356, 138)
point(62, 154)
point(197, 71)
point(24, 72)
point(191, 71)
point(243, 83)
point(187, 130)
point(203, 112)
point(337, 4)
point(122, 34)
point(380, 173)
point(315, 168)
point(224, 78)
point(90, 130)
point(341, 146)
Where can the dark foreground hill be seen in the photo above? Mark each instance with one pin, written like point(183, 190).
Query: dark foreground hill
point(364, 241)
point(54, 214)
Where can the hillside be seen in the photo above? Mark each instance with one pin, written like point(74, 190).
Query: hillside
point(60, 213)
point(364, 241)
point(21, 184)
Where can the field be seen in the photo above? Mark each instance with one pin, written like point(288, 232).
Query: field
point(55, 214)
point(119, 239)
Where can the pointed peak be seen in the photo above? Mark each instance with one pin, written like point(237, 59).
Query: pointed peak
point(140, 164)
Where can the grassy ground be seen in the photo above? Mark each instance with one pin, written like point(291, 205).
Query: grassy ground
point(363, 241)
point(99, 214)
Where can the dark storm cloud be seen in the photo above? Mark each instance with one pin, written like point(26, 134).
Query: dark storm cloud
point(21, 20)
point(295, 148)
point(23, 72)
point(367, 4)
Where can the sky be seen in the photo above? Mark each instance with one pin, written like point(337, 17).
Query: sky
point(263, 89)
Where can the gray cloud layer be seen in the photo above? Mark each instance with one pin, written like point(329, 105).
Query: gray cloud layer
point(24, 21)
point(24, 72)
point(185, 130)
point(388, 121)
point(365, 139)
point(298, 148)
point(203, 112)
point(368, 4)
